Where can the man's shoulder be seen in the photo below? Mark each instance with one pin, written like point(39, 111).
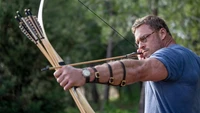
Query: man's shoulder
point(174, 50)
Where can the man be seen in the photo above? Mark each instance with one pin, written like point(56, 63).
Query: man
point(171, 72)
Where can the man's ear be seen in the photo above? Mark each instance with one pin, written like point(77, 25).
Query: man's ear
point(162, 33)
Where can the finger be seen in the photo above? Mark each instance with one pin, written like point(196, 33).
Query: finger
point(140, 56)
point(64, 82)
point(67, 86)
point(60, 78)
point(57, 73)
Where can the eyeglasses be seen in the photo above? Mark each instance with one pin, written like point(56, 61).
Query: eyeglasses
point(143, 39)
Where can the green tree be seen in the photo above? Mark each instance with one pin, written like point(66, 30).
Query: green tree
point(78, 35)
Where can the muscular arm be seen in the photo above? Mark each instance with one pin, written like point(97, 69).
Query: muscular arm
point(149, 69)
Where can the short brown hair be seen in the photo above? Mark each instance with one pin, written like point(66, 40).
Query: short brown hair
point(155, 22)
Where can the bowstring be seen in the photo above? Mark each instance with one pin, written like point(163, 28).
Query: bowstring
point(133, 44)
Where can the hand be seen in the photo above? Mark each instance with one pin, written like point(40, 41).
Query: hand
point(69, 76)
point(140, 56)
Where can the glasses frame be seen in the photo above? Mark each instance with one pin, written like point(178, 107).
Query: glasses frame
point(143, 39)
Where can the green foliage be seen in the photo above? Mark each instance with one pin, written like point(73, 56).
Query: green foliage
point(127, 103)
point(183, 20)
point(78, 35)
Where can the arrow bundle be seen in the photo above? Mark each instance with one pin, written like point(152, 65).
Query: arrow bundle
point(30, 26)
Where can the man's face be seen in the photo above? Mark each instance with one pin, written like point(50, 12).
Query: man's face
point(148, 41)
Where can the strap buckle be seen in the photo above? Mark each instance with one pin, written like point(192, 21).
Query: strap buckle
point(123, 83)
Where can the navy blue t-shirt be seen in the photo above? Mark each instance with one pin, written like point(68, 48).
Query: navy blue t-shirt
point(180, 91)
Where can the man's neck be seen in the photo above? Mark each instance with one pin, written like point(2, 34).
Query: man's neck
point(168, 41)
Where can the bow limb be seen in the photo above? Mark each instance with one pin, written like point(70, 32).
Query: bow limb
point(40, 20)
point(78, 97)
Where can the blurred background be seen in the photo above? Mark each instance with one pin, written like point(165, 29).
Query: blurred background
point(78, 35)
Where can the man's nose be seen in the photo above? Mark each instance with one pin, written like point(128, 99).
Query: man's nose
point(141, 45)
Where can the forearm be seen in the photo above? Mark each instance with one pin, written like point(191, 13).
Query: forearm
point(132, 69)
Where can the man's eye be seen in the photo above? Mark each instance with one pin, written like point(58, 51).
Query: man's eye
point(142, 38)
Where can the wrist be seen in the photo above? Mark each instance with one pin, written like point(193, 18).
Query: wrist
point(88, 74)
point(92, 76)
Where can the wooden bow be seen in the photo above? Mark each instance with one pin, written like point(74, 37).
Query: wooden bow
point(33, 28)
point(78, 97)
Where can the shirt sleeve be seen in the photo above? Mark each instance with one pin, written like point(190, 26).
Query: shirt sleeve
point(172, 61)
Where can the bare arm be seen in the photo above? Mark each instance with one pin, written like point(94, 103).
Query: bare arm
point(136, 70)
point(149, 69)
